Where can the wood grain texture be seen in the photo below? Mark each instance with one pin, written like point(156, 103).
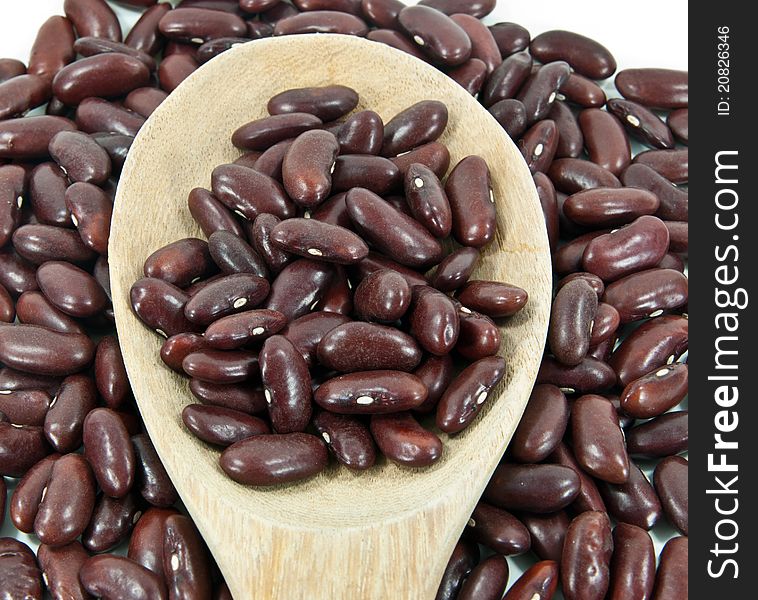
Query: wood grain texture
point(387, 533)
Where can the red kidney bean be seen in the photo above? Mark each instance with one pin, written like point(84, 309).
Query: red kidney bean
point(542, 425)
point(483, 44)
point(217, 366)
point(42, 243)
point(20, 576)
point(497, 529)
point(647, 293)
point(270, 162)
point(25, 407)
point(93, 18)
point(549, 204)
point(361, 133)
point(110, 372)
point(588, 376)
point(464, 558)
point(671, 164)
point(322, 241)
point(60, 570)
point(438, 36)
point(415, 126)
point(571, 322)
point(16, 274)
point(537, 488)
point(455, 270)
point(250, 193)
point(91, 212)
point(570, 142)
point(634, 502)
point(469, 190)
point(678, 121)
point(299, 286)
point(12, 380)
point(470, 75)
point(673, 201)
point(80, 157)
point(232, 254)
point(7, 309)
point(377, 262)
point(321, 21)
point(492, 298)
point(144, 35)
point(144, 100)
point(85, 78)
point(338, 297)
point(433, 155)
point(213, 48)
point(671, 580)
point(547, 533)
point(538, 145)
point(371, 392)
point(64, 421)
point(198, 25)
point(92, 46)
point(41, 351)
point(287, 385)
point(640, 245)
point(658, 88)
point(238, 397)
point(20, 94)
point(541, 89)
point(396, 40)
point(671, 483)
point(404, 441)
point(264, 133)
point(306, 332)
point(605, 324)
point(427, 200)
point(151, 478)
point(585, 563)
point(375, 173)
point(348, 438)
point(236, 331)
point(436, 373)
point(537, 583)
point(511, 115)
point(678, 236)
point(655, 393)
point(593, 280)
point(589, 497)
point(571, 175)
point(146, 543)
point(10, 68)
point(346, 6)
point(70, 289)
point(257, 6)
point(214, 217)
point(604, 207)
point(27, 496)
point(109, 451)
point(507, 79)
point(359, 346)
point(642, 123)
point(12, 193)
point(307, 167)
point(510, 38)
point(185, 560)
point(605, 140)
point(97, 115)
point(382, 296)
point(632, 564)
point(28, 137)
point(382, 13)
point(467, 392)
point(583, 91)
point(112, 521)
point(108, 576)
point(598, 440)
point(662, 436)
point(586, 56)
point(434, 320)
point(479, 337)
point(274, 459)
point(67, 501)
point(487, 580)
point(327, 103)
point(160, 305)
point(180, 263)
point(227, 295)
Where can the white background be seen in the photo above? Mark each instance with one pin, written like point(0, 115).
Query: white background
point(646, 33)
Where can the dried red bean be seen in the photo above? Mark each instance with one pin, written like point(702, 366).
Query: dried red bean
point(328, 103)
point(536, 488)
point(571, 175)
point(41, 243)
point(20, 576)
point(671, 581)
point(160, 305)
point(109, 451)
point(642, 123)
point(542, 426)
point(217, 366)
point(434, 320)
point(186, 562)
point(85, 78)
point(464, 558)
point(321, 21)
point(415, 126)
point(492, 298)
point(320, 241)
point(537, 583)
point(571, 322)
point(434, 155)
point(455, 270)
point(585, 55)
point(250, 193)
point(436, 373)
point(26, 498)
point(151, 478)
point(404, 441)
point(588, 376)
point(107, 576)
point(438, 36)
point(60, 570)
point(360, 346)
point(678, 121)
point(95, 115)
point(371, 392)
point(585, 564)
point(375, 173)
point(497, 529)
point(570, 139)
point(307, 167)
point(91, 211)
point(541, 89)
point(671, 483)
point(71, 289)
point(144, 35)
point(382, 296)
point(659, 88)
point(583, 91)
point(487, 580)
point(589, 497)
point(29, 137)
point(671, 164)
point(227, 295)
point(479, 336)
point(299, 286)
point(633, 563)
point(662, 436)
point(64, 422)
point(348, 438)
point(112, 521)
point(396, 40)
point(547, 534)
point(264, 133)
point(41, 351)
point(605, 139)
point(510, 37)
point(20, 94)
point(469, 190)
point(361, 133)
point(634, 502)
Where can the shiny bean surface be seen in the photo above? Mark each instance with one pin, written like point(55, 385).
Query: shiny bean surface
point(151, 479)
point(541, 89)
point(299, 287)
point(571, 322)
point(371, 392)
point(382, 296)
point(671, 581)
point(64, 421)
point(250, 193)
point(487, 580)
point(542, 425)
point(605, 140)
point(85, 78)
point(647, 293)
point(585, 563)
point(116, 577)
point(91, 210)
point(327, 103)
point(185, 560)
point(598, 440)
point(41, 351)
point(404, 441)
point(29, 137)
point(434, 320)
point(286, 384)
point(547, 533)
point(672, 164)
point(360, 346)
point(498, 529)
point(438, 36)
point(659, 88)
point(659, 437)
point(632, 565)
point(671, 483)
point(586, 56)
point(539, 489)
point(71, 289)
point(20, 576)
point(320, 241)
point(307, 167)
point(469, 190)
point(571, 175)
point(109, 451)
point(642, 123)
point(60, 567)
point(537, 583)
point(415, 126)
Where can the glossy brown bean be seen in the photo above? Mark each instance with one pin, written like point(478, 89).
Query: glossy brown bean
point(507, 78)
point(634, 502)
point(93, 18)
point(361, 133)
point(487, 580)
point(264, 133)
point(299, 286)
point(60, 569)
point(510, 37)
point(467, 392)
point(662, 436)
point(307, 167)
point(20, 94)
point(84, 78)
point(571, 322)
point(213, 48)
point(455, 270)
point(464, 558)
point(571, 175)
point(672, 164)
point(41, 243)
point(535, 488)
point(240, 397)
point(174, 69)
point(348, 438)
point(92, 46)
point(109, 451)
point(377, 262)
point(226, 295)
point(160, 305)
point(287, 385)
point(671, 581)
point(67, 502)
point(541, 89)
point(64, 421)
point(585, 55)
point(605, 207)
point(91, 211)
point(12, 195)
point(632, 565)
point(497, 529)
point(382, 13)
point(232, 254)
point(470, 75)
point(257, 6)
point(213, 217)
point(585, 563)
point(605, 140)
point(112, 521)
point(144, 100)
point(236, 331)
point(186, 562)
point(469, 190)
point(547, 533)
point(674, 205)
point(371, 392)
point(588, 376)
point(95, 115)
point(427, 200)
point(108, 575)
point(542, 425)
point(483, 44)
point(25, 407)
point(593, 280)
point(10, 68)
point(25, 500)
point(198, 25)
point(29, 137)
point(511, 114)
point(671, 483)
point(404, 441)
point(640, 245)
point(20, 576)
point(433, 155)
point(270, 162)
point(338, 296)
point(17, 275)
point(382, 296)
point(7, 308)
point(250, 193)
point(479, 336)
point(321, 241)
point(346, 6)
point(658, 88)
point(539, 144)
point(146, 542)
point(306, 332)
point(434, 320)
point(217, 366)
point(41, 351)
point(538, 582)
point(589, 497)
point(396, 40)
point(151, 479)
point(583, 91)
point(327, 103)
point(642, 123)
point(321, 21)
point(12, 380)
point(438, 36)
point(360, 346)
point(415, 126)
point(492, 298)
point(570, 141)
point(274, 459)
point(656, 392)
point(110, 372)
point(144, 35)
point(678, 122)
point(375, 173)
point(436, 373)
point(598, 440)
point(80, 157)
point(647, 293)
point(71, 289)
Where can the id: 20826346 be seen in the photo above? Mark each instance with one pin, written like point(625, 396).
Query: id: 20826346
point(723, 80)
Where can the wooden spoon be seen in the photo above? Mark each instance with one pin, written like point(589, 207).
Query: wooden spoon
point(388, 532)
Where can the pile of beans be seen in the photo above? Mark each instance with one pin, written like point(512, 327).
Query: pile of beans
point(310, 204)
point(600, 412)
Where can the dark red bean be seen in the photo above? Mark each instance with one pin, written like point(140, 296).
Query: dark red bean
point(12, 380)
point(25, 407)
point(377, 262)
point(585, 55)
point(232, 254)
point(41, 243)
point(299, 287)
point(427, 200)
point(511, 114)
point(605, 139)
point(506, 80)
point(464, 558)
point(10, 68)
point(375, 173)
point(671, 581)
point(537, 583)
point(27, 496)
point(70, 289)
point(213, 48)
point(570, 142)
point(658, 88)
point(250, 193)
point(483, 44)
point(542, 425)
point(571, 321)
point(109, 451)
point(583, 91)
point(371, 392)
point(20, 94)
point(547, 533)
point(151, 478)
point(144, 35)
point(492, 298)
point(214, 217)
point(107, 575)
point(361, 133)
point(264, 133)
point(479, 336)
point(97, 115)
point(92, 46)
point(257, 6)
point(632, 565)
point(588, 376)
point(348, 438)
point(64, 422)
point(186, 562)
point(404, 441)
point(571, 175)
point(217, 366)
point(662, 436)
point(12, 193)
point(80, 157)
point(655, 393)
point(598, 440)
point(589, 497)
point(455, 270)
point(585, 563)
point(306, 332)
point(7, 309)
point(307, 167)
point(60, 570)
point(321, 241)
point(287, 385)
point(198, 25)
point(510, 38)
point(467, 392)
point(498, 529)
point(180, 263)
point(274, 459)
point(271, 161)
point(42, 351)
point(67, 502)
point(538, 145)
point(642, 123)
point(541, 89)
point(110, 372)
point(85, 78)
point(144, 100)
point(338, 296)
point(470, 75)
point(633, 502)
point(236, 331)
point(535, 488)
point(671, 483)
point(93, 18)
point(347, 6)
point(396, 40)
point(382, 296)
point(415, 126)
point(469, 190)
point(111, 522)
point(605, 324)
point(487, 580)
point(674, 201)
point(434, 319)
point(146, 543)
point(327, 103)
point(436, 373)
point(604, 207)
point(33, 308)
point(671, 164)
point(678, 121)
point(647, 293)
point(238, 397)
point(226, 295)
point(365, 346)
point(28, 138)
point(91, 212)
point(382, 13)
point(321, 21)
point(20, 576)
point(160, 305)
point(438, 36)
point(433, 155)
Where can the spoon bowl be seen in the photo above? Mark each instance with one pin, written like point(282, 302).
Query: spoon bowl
point(387, 532)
